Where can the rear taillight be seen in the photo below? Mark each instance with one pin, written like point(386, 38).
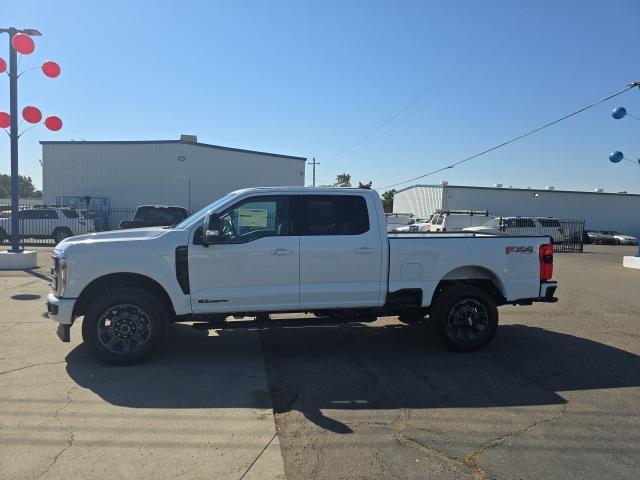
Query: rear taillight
point(546, 261)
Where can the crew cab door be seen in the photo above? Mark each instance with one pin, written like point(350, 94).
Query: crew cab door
point(340, 251)
point(256, 268)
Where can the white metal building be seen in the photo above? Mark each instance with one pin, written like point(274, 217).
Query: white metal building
point(600, 210)
point(169, 172)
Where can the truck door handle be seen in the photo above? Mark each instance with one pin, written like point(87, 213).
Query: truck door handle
point(282, 251)
point(366, 250)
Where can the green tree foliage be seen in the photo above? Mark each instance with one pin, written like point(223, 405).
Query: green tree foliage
point(27, 188)
point(343, 180)
point(387, 200)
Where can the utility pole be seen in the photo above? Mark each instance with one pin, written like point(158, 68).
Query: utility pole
point(314, 163)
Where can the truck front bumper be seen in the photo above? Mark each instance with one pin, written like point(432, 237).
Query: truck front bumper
point(61, 310)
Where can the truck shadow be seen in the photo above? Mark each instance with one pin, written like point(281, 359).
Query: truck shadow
point(356, 366)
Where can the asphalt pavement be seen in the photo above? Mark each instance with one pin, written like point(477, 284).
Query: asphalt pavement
point(555, 395)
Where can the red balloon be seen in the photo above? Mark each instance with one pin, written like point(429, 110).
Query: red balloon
point(5, 120)
point(53, 123)
point(31, 114)
point(23, 43)
point(51, 69)
point(3, 65)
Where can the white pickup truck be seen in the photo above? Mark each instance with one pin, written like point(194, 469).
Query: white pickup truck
point(292, 249)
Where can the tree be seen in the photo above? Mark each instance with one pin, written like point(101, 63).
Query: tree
point(343, 180)
point(26, 187)
point(387, 200)
point(366, 186)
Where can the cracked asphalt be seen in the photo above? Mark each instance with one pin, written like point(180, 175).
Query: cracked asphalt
point(555, 395)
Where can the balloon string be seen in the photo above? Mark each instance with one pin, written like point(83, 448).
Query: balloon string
point(27, 70)
point(633, 116)
point(25, 131)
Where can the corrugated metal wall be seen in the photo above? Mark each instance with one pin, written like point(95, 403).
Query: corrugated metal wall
point(132, 174)
point(420, 201)
point(601, 211)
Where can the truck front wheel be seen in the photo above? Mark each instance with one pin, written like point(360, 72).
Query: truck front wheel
point(124, 325)
point(466, 317)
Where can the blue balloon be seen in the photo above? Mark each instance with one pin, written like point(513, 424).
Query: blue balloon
point(616, 157)
point(619, 113)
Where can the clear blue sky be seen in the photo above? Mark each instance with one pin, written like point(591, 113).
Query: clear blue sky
point(313, 78)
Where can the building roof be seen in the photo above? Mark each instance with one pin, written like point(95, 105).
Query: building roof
point(472, 187)
point(153, 142)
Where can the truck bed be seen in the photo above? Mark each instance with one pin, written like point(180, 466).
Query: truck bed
point(423, 260)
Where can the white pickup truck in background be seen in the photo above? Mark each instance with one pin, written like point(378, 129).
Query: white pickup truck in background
point(292, 249)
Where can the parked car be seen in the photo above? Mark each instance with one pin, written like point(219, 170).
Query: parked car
point(48, 222)
point(622, 239)
point(549, 226)
point(600, 238)
point(396, 220)
point(422, 225)
point(452, 220)
point(262, 250)
point(155, 216)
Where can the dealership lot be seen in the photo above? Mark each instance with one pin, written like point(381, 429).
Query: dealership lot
point(557, 394)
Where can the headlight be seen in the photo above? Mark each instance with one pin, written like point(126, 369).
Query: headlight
point(60, 275)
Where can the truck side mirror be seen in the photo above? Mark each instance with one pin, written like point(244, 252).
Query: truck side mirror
point(211, 232)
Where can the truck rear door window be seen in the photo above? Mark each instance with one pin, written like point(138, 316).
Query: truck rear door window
point(332, 215)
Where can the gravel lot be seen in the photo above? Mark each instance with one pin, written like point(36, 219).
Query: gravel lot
point(556, 395)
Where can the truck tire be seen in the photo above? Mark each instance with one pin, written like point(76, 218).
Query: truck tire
point(59, 234)
point(125, 325)
point(466, 317)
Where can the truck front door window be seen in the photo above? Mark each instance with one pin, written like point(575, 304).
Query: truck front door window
point(255, 218)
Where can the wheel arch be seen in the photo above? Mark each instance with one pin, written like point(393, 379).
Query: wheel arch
point(123, 279)
point(477, 276)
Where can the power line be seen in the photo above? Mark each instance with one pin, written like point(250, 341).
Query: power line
point(515, 139)
point(363, 140)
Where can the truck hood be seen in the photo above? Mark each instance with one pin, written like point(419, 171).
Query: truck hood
point(112, 236)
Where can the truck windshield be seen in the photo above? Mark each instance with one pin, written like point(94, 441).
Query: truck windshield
point(187, 222)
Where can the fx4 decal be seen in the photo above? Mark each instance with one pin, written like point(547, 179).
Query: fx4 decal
point(527, 250)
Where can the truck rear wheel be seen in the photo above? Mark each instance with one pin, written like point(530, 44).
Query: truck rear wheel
point(466, 317)
point(124, 325)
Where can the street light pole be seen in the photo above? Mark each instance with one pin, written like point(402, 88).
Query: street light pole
point(13, 134)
